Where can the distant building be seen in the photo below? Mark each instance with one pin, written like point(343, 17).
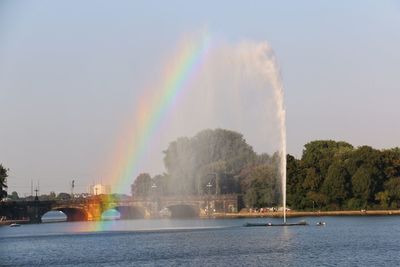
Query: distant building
point(99, 189)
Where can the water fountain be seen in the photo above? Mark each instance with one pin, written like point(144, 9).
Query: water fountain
point(229, 86)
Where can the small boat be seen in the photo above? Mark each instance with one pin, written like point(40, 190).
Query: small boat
point(15, 225)
point(276, 224)
point(321, 223)
point(302, 223)
point(255, 224)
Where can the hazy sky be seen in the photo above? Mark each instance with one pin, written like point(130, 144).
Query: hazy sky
point(70, 72)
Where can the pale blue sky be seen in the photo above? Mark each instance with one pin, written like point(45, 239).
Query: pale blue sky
point(70, 69)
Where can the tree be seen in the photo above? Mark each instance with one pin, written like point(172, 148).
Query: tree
point(161, 182)
point(142, 185)
point(52, 195)
point(320, 154)
point(312, 180)
point(364, 155)
point(364, 183)
point(63, 196)
point(14, 195)
point(317, 199)
point(336, 184)
point(383, 198)
point(296, 194)
point(392, 186)
point(190, 161)
point(391, 162)
point(3, 182)
point(261, 187)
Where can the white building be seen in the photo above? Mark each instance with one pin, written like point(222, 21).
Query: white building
point(99, 189)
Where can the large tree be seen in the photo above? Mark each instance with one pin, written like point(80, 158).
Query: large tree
point(336, 184)
point(294, 185)
point(14, 195)
point(261, 187)
point(320, 154)
point(3, 182)
point(364, 183)
point(63, 196)
point(142, 185)
point(392, 187)
point(218, 154)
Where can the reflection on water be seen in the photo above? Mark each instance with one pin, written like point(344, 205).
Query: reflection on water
point(111, 214)
point(351, 241)
point(54, 216)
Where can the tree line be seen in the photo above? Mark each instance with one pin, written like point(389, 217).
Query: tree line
point(334, 175)
point(214, 162)
point(3, 182)
point(329, 175)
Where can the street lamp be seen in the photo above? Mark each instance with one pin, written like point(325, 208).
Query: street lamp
point(209, 185)
point(153, 189)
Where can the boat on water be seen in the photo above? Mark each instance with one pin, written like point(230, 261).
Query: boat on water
point(15, 225)
point(301, 223)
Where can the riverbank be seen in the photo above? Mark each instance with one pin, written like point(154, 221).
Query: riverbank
point(279, 214)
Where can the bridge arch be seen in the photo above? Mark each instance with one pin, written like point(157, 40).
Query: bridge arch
point(183, 211)
point(74, 214)
point(111, 214)
point(53, 216)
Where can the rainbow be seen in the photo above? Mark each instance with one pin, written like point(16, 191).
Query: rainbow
point(153, 109)
point(149, 115)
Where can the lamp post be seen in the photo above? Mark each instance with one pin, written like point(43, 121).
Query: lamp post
point(72, 188)
point(153, 189)
point(209, 185)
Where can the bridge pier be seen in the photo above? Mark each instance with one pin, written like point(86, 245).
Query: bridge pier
point(34, 214)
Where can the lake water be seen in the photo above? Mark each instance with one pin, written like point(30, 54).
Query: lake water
point(344, 241)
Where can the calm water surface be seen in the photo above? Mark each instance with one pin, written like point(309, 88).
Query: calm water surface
point(344, 241)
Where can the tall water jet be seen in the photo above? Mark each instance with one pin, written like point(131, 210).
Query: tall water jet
point(274, 78)
point(251, 68)
point(281, 112)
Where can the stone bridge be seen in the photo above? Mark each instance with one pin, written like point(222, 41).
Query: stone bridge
point(133, 208)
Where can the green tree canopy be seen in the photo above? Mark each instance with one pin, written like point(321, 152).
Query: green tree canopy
point(337, 176)
point(14, 195)
point(190, 161)
point(3, 182)
point(319, 154)
point(142, 185)
point(336, 184)
point(364, 183)
point(261, 187)
point(392, 186)
point(63, 196)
